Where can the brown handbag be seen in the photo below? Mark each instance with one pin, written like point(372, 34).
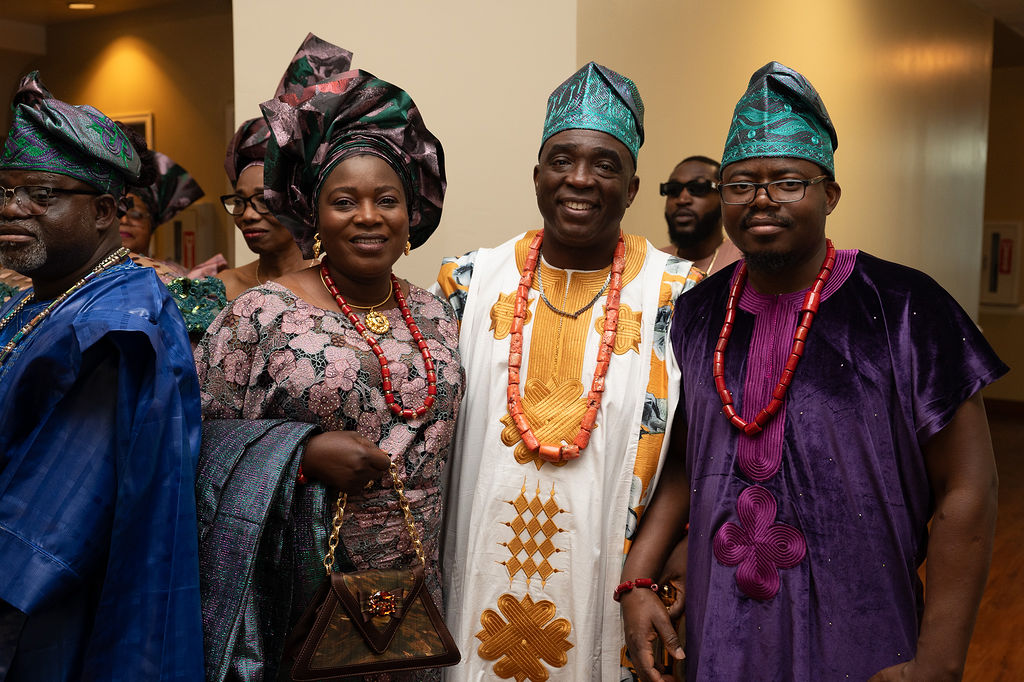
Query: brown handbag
point(373, 621)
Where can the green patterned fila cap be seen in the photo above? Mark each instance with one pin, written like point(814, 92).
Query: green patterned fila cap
point(597, 98)
point(781, 115)
point(78, 141)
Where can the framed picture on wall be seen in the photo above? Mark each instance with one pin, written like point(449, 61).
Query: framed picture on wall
point(1000, 263)
point(140, 123)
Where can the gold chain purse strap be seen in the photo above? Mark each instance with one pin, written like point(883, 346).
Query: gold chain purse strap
point(339, 514)
point(370, 621)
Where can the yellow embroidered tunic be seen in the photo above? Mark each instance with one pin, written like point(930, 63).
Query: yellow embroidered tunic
point(534, 549)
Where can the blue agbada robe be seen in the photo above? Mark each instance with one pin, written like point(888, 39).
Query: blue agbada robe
point(99, 436)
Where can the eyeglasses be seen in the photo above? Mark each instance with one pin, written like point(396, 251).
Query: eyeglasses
point(696, 188)
point(235, 204)
point(134, 215)
point(779, 191)
point(35, 199)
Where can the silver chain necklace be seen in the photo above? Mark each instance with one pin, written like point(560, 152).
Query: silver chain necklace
point(543, 297)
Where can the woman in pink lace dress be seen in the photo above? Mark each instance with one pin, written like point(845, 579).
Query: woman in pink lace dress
point(295, 396)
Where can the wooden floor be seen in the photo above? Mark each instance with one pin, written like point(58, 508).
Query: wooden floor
point(997, 648)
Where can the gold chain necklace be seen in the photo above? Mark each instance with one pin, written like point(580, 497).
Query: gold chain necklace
point(713, 259)
point(21, 334)
point(374, 320)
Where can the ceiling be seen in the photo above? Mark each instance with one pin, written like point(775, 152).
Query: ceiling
point(1010, 12)
point(57, 12)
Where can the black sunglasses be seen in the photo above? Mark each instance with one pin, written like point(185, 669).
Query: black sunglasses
point(696, 188)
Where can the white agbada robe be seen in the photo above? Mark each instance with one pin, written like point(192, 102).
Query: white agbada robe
point(532, 555)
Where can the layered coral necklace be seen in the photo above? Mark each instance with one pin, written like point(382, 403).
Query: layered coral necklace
point(385, 372)
point(809, 308)
point(21, 334)
point(565, 451)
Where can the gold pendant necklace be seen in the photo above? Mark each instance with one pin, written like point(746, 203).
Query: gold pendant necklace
point(375, 321)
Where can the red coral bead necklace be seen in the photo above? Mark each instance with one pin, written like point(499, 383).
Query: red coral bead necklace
point(809, 308)
point(564, 452)
point(428, 361)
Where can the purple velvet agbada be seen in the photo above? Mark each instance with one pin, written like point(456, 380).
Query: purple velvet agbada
point(805, 540)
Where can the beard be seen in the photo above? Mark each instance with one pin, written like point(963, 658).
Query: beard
point(771, 261)
point(703, 228)
point(24, 258)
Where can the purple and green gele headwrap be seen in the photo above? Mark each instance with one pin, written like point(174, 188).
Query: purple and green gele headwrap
point(313, 128)
point(248, 146)
point(316, 61)
point(781, 115)
point(597, 98)
point(174, 190)
point(78, 141)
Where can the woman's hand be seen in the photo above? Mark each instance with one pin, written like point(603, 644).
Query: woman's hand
point(344, 460)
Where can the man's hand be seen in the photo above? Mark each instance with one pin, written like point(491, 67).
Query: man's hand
point(894, 673)
point(913, 671)
point(344, 460)
point(674, 573)
point(644, 619)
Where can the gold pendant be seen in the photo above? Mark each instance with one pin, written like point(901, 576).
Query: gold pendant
point(377, 323)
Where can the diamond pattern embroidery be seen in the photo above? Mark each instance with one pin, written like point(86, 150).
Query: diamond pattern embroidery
point(535, 531)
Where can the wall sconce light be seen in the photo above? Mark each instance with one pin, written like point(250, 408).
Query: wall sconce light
point(82, 5)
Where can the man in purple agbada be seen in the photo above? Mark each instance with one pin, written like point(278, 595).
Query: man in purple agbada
point(830, 408)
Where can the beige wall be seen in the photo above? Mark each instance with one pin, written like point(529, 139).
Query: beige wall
point(906, 84)
point(1004, 325)
point(480, 73)
point(173, 61)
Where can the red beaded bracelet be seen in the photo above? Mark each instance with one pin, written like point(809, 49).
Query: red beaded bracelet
point(301, 478)
point(643, 583)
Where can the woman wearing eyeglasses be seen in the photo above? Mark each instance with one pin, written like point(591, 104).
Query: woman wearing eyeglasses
point(263, 234)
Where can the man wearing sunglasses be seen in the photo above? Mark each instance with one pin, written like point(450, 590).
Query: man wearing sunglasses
point(99, 418)
point(831, 409)
point(694, 215)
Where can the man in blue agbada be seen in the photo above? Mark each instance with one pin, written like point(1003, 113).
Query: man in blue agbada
point(99, 419)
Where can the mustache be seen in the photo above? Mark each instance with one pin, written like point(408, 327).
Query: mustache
point(751, 217)
point(18, 226)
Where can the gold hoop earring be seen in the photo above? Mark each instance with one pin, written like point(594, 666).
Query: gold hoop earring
point(316, 246)
point(408, 248)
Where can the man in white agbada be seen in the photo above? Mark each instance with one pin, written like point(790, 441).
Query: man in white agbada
point(559, 440)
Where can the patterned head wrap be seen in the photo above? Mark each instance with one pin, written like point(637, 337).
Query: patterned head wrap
point(174, 190)
point(597, 98)
point(316, 61)
point(781, 114)
point(314, 128)
point(247, 147)
point(78, 141)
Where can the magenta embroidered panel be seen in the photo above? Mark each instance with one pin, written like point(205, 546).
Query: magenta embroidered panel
point(776, 320)
point(758, 544)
